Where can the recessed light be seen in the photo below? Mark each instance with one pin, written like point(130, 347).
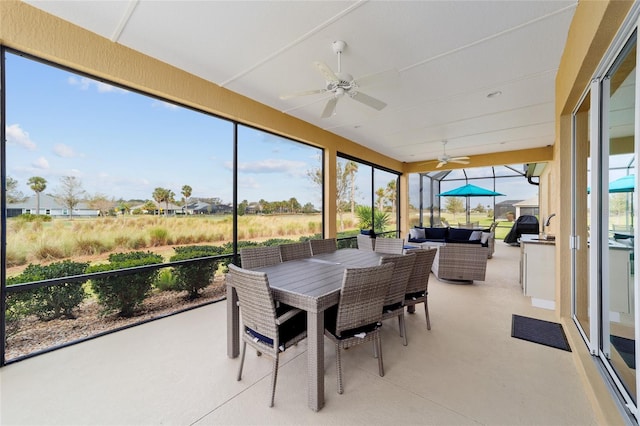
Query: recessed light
point(494, 94)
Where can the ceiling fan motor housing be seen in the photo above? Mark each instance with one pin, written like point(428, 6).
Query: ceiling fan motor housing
point(345, 81)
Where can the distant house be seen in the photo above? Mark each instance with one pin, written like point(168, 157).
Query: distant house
point(172, 209)
point(252, 208)
point(505, 206)
point(200, 207)
point(221, 208)
point(527, 207)
point(49, 206)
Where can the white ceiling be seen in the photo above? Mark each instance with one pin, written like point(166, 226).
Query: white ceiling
point(449, 56)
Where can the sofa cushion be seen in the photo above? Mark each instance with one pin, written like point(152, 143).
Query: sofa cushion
point(435, 233)
point(454, 240)
point(459, 233)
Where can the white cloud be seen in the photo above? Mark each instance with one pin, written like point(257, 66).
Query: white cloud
point(163, 104)
point(17, 136)
point(41, 163)
point(248, 182)
point(273, 166)
point(85, 83)
point(65, 151)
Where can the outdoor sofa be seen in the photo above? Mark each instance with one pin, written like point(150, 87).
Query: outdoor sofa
point(482, 237)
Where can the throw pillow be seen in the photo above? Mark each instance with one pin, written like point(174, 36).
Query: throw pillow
point(416, 233)
point(485, 237)
point(475, 235)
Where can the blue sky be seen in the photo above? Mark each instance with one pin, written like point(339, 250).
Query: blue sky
point(124, 145)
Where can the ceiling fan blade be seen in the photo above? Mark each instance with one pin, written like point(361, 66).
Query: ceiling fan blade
point(326, 72)
point(368, 100)
point(440, 164)
point(330, 108)
point(305, 93)
point(382, 77)
point(458, 161)
point(461, 157)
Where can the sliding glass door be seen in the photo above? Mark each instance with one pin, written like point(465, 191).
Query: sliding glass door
point(604, 220)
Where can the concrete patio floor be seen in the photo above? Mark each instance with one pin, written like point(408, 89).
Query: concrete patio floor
point(466, 370)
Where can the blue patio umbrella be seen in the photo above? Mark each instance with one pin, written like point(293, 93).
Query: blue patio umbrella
point(620, 185)
point(624, 184)
point(468, 191)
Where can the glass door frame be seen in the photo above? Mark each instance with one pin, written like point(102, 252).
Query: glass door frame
point(599, 179)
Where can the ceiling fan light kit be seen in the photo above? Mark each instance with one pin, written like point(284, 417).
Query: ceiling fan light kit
point(338, 84)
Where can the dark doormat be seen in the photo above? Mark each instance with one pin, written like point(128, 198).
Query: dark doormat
point(539, 331)
point(626, 348)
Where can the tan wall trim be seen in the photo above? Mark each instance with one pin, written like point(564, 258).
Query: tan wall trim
point(534, 155)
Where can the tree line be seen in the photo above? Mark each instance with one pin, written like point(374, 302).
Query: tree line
point(70, 193)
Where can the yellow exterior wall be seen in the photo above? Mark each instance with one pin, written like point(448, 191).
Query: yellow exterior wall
point(593, 28)
point(25, 28)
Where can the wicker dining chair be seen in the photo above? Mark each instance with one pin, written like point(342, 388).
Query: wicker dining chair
point(389, 245)
point(295, 251)
point(267, 329)
point(365, 242)
point(394, 299)
point(257, 257)
point(327, 245)
point(357, 317)
point(418, 286)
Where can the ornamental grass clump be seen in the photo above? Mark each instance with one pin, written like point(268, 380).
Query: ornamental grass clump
point(195, 276)
point(124, 293)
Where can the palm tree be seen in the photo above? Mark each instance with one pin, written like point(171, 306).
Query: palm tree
point(37, 185)
point(186, 193)
point(163, 195)
point(351, 168)
point(391, 194)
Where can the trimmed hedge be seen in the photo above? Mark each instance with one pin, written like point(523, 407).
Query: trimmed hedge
point(48, 302)
point(124, 293)
point(197, 275)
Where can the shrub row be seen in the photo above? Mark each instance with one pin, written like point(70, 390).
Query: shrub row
point(121, 294)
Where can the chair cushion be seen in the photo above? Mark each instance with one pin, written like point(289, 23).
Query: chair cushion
point(392, 307)
point(416, 295)
point(287, 331)
point(330, 318)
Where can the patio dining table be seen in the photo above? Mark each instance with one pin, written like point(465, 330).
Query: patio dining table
point(313, 285)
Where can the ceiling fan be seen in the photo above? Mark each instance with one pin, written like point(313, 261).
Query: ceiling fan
point(444, 158)
point(341, 83)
